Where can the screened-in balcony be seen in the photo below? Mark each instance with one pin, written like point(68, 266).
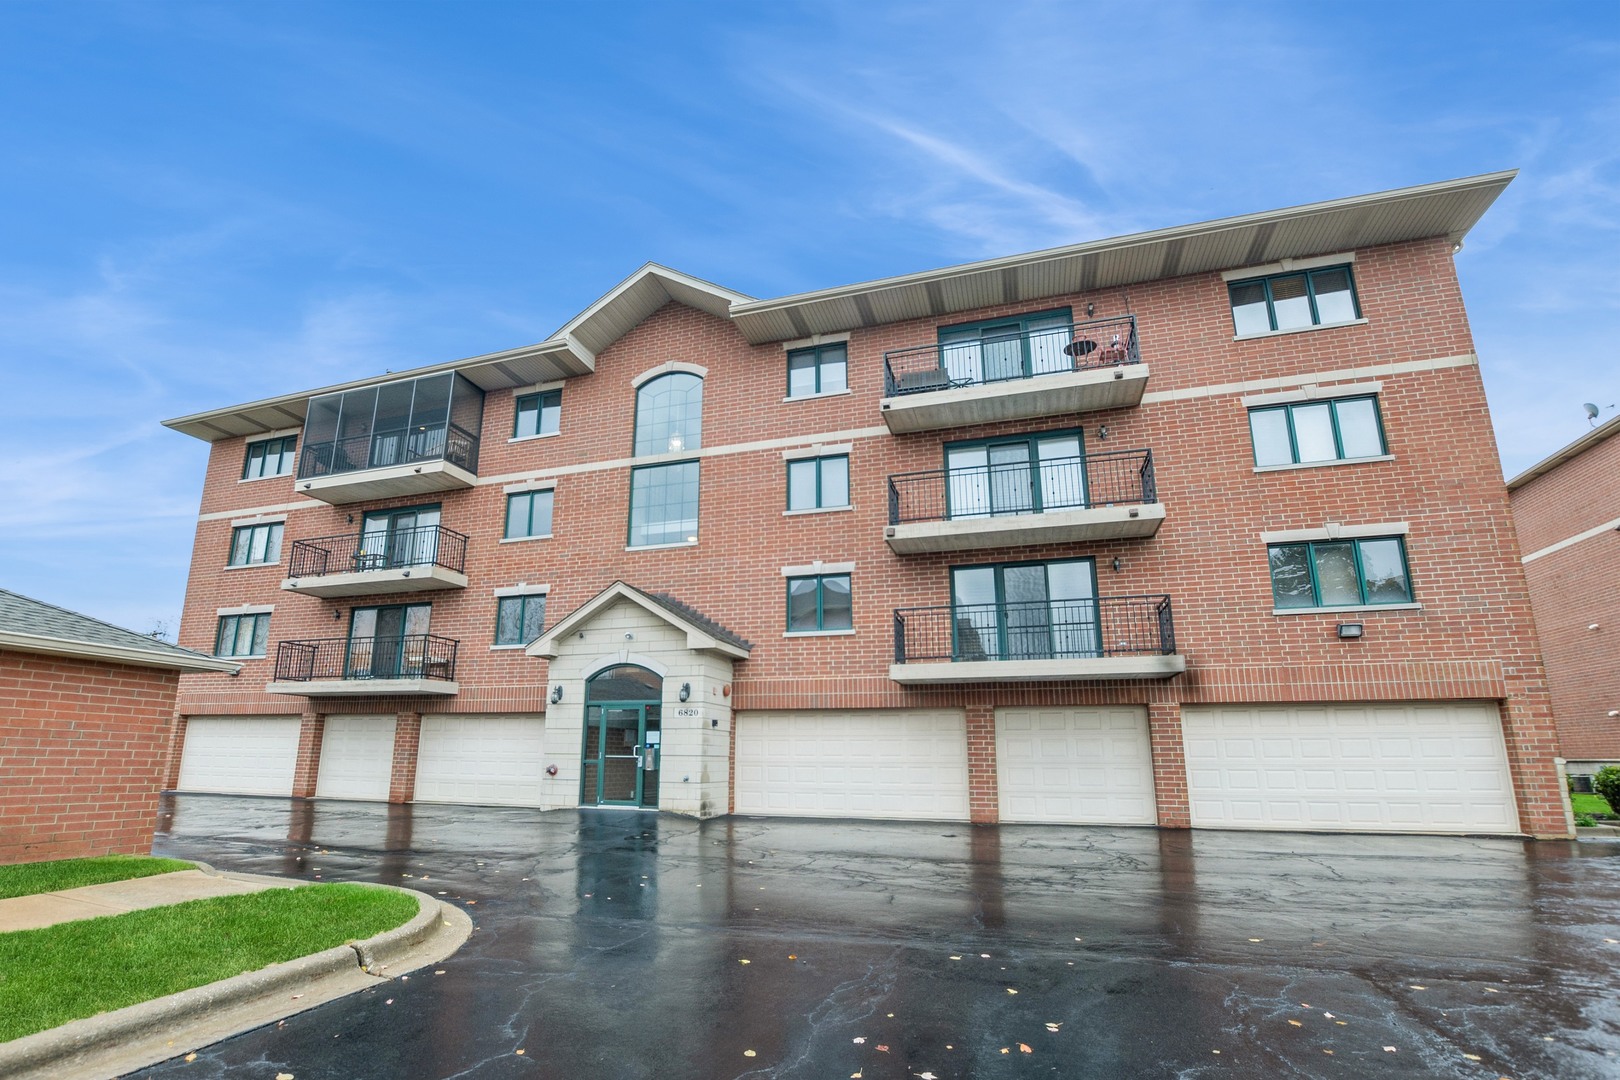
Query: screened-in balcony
point(1011, 495)
point(380, 562)
point(1051, 370)
point(410, 437)
point(406, 664)
point(1110, 637)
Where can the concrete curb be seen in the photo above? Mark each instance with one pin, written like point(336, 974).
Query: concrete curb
point(263, 994)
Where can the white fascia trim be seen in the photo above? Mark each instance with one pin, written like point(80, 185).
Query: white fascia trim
point(842, 337)
point(113, 654)
point(521, 589)
point(1332, 530)
point(537, 388)
point(262, 519)
point(1313, 392)
point(1323, 464)
point(815, 568)
point(799, 453)
point(1570, 541)
point(246, 609)
point(668, 366)
point(1287, 265)
point(226, 515)
point(546, 484)
point(1299, 329)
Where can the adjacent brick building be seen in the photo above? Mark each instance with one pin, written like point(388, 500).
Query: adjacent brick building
point(1200, 526)
point(85, 710)
point(1567, 510)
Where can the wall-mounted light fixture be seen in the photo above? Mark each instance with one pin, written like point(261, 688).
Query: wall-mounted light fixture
point(556, 694)
point(1102, 432)
point(686, 691)
point(336, 615)
point(351, 519)
point(1116, 564)
point(1091, 309)
point(1351, 631)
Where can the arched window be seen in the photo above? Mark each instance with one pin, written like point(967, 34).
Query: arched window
point(669, 414)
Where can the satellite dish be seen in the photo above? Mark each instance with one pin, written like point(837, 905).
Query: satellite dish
point(1591, 411)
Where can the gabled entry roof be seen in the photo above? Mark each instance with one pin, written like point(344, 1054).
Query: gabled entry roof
point(703, 634)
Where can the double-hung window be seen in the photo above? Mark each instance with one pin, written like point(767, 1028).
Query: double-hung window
point(818, 483)
point(1294, 301)
point(1340, 573)
point(243, 635)
point(256, 545)
point(528, 514)
point(819, 602)
point(1306, 432)
point(519, 619)
point(269, 457)
point(821, 369)
point(537, 414)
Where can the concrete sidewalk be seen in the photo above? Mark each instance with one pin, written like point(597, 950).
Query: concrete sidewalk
point(133, 894)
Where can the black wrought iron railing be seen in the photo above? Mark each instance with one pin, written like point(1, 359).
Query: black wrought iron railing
point(1042, 630)
point(412, 656)
point(1119, 477)
point(424, 545)
point(380, 449)
point(1080, 346)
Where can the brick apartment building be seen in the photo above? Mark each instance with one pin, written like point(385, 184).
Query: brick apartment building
point(1201, 526)
point(1565, 511)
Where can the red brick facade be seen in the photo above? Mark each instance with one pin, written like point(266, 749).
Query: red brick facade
point(82, 752)
point(1472, 638)
point(1566, 519)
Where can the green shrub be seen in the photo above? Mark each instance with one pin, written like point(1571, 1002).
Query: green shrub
point(1606, 782)
point(1584, 821)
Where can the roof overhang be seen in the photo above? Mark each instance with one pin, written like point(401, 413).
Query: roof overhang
point(698, 638)
point(172, 660)
point(1447, 209)
point(568, 353)
point(1600, 434)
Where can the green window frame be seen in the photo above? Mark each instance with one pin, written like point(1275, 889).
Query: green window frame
point(820, 602)
point(1305, 432)
point(256, 545)
point(669, 414)
point(818, 483)
point(1324, 296)
point(519, 619)
point(537, 414)
point(243, 636)
point(818, 370)
point(528, 514)
point(1011, 347)
point(269, 457)
point(1360, 572)
point(1027, 473)
point(1030, 610)
point(663, 505)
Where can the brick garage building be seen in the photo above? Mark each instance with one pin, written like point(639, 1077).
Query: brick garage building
point(1201, 526)
point(85, 710)
point(1565, 510)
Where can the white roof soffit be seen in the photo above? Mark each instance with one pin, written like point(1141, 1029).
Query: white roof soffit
point(569, 352)
point(1448, 209)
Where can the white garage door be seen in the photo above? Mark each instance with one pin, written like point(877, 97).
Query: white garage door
point(239, 755)
point(1081, 766)
point(1360, 768)
point(482, 760)
point(874, 764)
point(357, 757)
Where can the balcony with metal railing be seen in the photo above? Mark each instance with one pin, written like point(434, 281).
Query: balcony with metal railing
point(1109, 637)
point(408, 560)
point(1106, 496)
point(1073, 368)
point(408, 664)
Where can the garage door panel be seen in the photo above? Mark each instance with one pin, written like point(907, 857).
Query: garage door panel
point(1075, 766)
point(878, 764)
point(239, 755)
point(1417, 767)
point(481, 760)
point(357, 757)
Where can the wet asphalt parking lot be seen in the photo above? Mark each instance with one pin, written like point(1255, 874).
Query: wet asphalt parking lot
point(618, 944)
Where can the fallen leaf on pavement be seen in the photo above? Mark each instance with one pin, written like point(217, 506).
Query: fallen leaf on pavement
point(1329, 1053)
point(882, 1049)
point(191, 1057)
point(925, 1076)
point(1472, 1057)
point(390, 1001)
point(745, 961)
point(295, 997)
point(1416, 987)
point(748, 1053)
point(284, 1076)
point(1023, 1048)
point(1296, 1023)
point(1257, 939)
point(1328, 1015)
point(792, 957)
point(1492, 990)
point(520, 1052)
point(1052, 1027)
point(855, 1075)
point(956, 958)
point(1341, 1023)
point(1389, 1049)
point(1006, 1049)
point(1010, 990)
point(859, 1039)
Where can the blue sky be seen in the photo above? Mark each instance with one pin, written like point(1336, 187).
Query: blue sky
point(202, 204)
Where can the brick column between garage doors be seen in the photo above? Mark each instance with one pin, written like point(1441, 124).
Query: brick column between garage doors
point(984, 793)
point(407, 739)
point(171, 764)
point(1169, 764)
point(307, 765)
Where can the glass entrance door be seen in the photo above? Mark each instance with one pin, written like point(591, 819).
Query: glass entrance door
point(623, 739)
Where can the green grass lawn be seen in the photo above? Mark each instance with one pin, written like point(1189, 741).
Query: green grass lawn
point(1588, 804)
point(26, 879)
point(77, 969)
